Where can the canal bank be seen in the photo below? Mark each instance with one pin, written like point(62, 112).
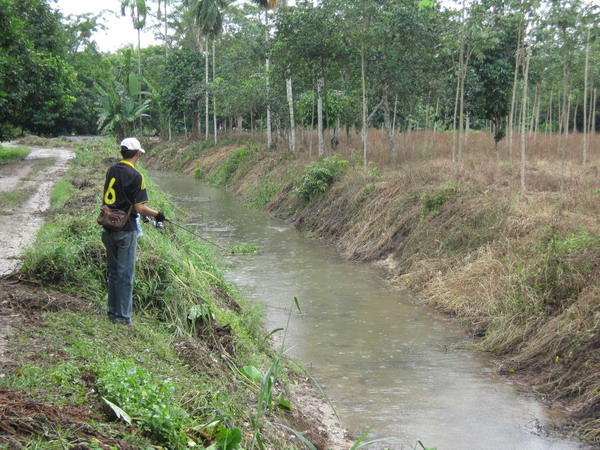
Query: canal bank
point(184, 375)
point(497, 260)
point(385, 362)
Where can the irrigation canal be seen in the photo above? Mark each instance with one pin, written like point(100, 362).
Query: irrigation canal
point(385, 362)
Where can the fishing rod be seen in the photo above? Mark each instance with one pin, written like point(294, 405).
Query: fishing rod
point(195, 234)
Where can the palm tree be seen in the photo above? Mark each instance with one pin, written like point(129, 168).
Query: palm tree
point(138, 11)
point(268, 4)
point(117, 109)
point(210, 19)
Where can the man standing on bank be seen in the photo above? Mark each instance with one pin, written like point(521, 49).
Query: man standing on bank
point(124, 189)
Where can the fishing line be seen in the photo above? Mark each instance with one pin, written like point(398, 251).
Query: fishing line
point(197, 235)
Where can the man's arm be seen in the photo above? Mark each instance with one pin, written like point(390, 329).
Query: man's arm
point(145, 210)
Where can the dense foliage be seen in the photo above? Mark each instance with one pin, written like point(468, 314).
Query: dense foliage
point(406, 64)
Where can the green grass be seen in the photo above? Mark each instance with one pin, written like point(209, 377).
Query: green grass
point(13, 199)
point(180, 294)
point(10, 155)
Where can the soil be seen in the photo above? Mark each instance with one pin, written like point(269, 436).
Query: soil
point(21, 304)
point(19, 225)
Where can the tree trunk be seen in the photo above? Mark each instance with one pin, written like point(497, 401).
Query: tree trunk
point(388, 126)
point(549, 124)
point(290, 99)
point(537, 114)
point(206, 128)
point(511, 116)
point(564, 118)
point(321, 137)
point(166, 33)
point(585, 94)
point(524, 117)
point(593, 118)
point(455, 116)
point(575, 114)
point(364, 131)
point(437, 112)
point(462, 73)
point(214, 98)
point(139, 31)
point(268, 84)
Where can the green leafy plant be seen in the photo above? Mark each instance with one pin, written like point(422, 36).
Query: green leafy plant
point(244, 248)
point(319, 176)
point(198, 171)
point(229, 167)
point(137, 397)
point(432, 201)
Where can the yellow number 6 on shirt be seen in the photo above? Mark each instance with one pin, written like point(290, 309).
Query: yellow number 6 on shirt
point(110, 196)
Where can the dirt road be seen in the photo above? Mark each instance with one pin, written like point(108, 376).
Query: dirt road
point(24, 197)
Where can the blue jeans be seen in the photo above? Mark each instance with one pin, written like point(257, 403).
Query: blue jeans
point(120, 265)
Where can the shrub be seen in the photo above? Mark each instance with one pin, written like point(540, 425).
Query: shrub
point(433, 201)
point(149, 401)
point(229, 167)
point(319, 175)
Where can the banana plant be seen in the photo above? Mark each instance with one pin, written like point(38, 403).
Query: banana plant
point(118, 108)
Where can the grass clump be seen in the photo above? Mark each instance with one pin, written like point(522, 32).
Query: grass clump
point(129, 388)
point(13, 154)
point(432, 201)
point(319, 176)
point(226, 171)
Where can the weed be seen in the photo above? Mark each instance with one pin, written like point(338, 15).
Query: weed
point(244, 248)
point(13, 199)
point(434, 200)
point(13, 154)
point(198, 171)
point(229, 167)
point(319, 175)
point(62, 192)
point(144, 398)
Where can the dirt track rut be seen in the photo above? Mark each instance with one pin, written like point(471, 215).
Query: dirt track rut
point(19, 225)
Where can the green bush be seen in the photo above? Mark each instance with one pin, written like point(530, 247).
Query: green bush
point(433, 201)
point(147, 400)
point(319, 175)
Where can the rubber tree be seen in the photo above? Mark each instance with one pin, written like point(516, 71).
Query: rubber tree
point(268, 5)
point(356, 19)
point(473, 38)
point(308, 44)
point(210, 20)
point(495, 68)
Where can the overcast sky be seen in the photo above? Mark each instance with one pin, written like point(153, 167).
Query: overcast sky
point(120, 29)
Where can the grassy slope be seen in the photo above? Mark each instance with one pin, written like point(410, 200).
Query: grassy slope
point(520, 269)
point(175, 371)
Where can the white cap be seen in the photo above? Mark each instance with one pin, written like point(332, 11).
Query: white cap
point(132, 143)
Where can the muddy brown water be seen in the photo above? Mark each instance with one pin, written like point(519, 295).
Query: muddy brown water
point(384, 361)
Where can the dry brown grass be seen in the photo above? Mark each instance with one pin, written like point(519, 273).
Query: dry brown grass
point(488, 253)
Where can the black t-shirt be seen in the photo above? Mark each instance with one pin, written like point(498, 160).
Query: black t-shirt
point(125, 186)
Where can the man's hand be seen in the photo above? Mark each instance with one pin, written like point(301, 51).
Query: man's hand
point(160, 217)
